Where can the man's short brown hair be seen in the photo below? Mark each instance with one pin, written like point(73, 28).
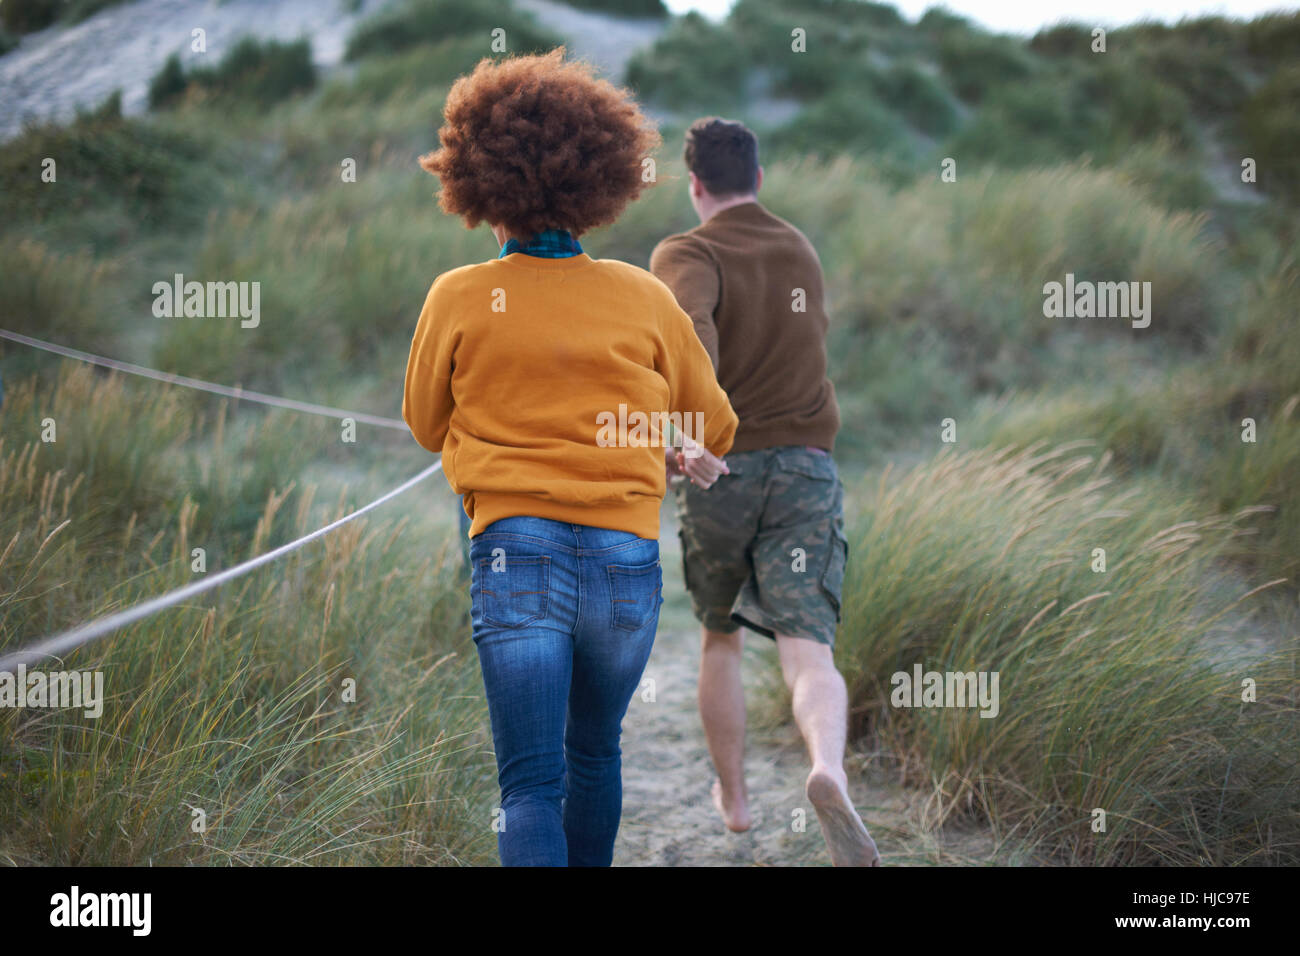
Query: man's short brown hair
point(534, 143)
point(724, 156)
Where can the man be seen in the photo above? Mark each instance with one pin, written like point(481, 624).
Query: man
point(765, 547)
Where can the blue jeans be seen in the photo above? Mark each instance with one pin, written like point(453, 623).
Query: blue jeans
point(564, 618)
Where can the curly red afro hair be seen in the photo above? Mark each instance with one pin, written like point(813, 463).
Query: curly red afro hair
point(534, 143)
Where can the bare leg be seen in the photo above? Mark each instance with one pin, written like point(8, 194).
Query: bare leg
point(820, 705)
point(722, 711)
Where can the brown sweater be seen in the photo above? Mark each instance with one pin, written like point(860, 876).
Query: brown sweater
point(752, 284)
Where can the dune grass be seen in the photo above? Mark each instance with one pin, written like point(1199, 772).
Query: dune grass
point(936, 288)
point(1222, 429)
point(1119, 690)
point(321, 710)
point(967, 559)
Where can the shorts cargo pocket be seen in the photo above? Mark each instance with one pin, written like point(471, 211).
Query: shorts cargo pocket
point(832, 579)
point(686, 572)
point(808, 464)
point(634, 594)
point(516, 595)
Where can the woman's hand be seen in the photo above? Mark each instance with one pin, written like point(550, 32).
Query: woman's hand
point(671, 466)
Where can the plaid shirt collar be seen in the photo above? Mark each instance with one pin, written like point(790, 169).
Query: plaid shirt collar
point(551, 244)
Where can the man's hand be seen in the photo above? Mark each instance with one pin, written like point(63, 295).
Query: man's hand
point(695, 462)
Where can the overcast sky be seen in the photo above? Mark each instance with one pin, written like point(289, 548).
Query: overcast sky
point(1026, 16)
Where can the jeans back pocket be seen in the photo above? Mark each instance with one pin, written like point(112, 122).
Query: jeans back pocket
point(634, 594)
point(515, 595)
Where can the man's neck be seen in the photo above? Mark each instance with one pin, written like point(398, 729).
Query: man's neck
point(718, 205)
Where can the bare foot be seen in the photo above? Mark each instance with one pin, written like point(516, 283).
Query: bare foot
point(846, 836)
point(734, 813)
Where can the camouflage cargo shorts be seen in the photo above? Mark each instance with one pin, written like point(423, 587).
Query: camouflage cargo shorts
point(765, 546)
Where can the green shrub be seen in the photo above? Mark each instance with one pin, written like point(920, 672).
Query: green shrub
point(264, 72)
point(938, 20)
point(252, 70)
point(412, 71)
point(844, 120)
point(696, 62)
point(839, 37)
point(977, 63)
point(81, 9)
point(1062, 40)
point(1211, 32)
point(24, 16)
point(365, 122)
point(1204, 58)
point(1024, 124)
point(1101, 111)
point(1127, 105)
point(1212, 84)
point(623, 8)
point(1274, 37)
point(842, 59)
point(168, 84)
point(916, 95)
point(101, 159)
point(1270, 126)
point(417, 22)
point(880, 16)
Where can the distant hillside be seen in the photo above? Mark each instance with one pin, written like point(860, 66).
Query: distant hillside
point(829, 76)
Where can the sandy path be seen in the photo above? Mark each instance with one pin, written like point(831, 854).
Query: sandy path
point(668, 818)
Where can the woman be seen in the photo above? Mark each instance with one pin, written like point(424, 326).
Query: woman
point(515, 364)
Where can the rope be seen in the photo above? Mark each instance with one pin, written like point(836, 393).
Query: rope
point(170, 378)
point(60, 644)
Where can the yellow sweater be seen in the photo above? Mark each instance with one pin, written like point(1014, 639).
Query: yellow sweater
point(545, 384)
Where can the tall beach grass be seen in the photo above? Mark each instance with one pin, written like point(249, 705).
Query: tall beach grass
point(320, 710)
point(1119, 691)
